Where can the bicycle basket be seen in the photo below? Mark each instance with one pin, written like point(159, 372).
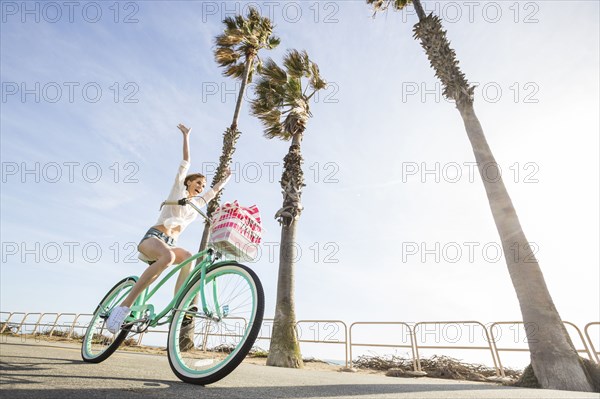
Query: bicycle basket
point(236, 231)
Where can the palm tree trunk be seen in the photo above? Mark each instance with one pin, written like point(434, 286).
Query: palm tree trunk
point(419, 9)
point(229, 139)
point(554, 359)
point(240, 99)
point(553, 356)
point(284, 350)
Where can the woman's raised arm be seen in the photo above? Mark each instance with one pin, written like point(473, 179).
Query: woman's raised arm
point(186, 141)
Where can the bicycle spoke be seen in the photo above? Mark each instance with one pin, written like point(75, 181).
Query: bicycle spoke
point(217, 344)
point(98, 343)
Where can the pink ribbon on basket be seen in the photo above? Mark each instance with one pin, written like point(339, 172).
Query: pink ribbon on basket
point(249, 216)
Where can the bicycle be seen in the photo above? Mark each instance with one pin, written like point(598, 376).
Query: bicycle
point(225, 327)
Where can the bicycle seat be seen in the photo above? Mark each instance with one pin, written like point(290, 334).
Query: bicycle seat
point(145, 259)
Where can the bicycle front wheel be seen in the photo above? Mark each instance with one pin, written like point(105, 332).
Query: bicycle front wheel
point(234, 296)
point(99, 343)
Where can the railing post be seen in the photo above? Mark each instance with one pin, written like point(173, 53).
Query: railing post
point(585, 345)
point(58, 318)
point(72, 329)
point(350, 344)
point(55, 323)
point(594, 350)
point(500, 366)
point(413, 346)
point(10, 315)
point(332, 323)
point(39, 323)
point(23, 321)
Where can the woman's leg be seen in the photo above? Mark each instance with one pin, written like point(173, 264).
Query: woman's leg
point(181, 255)
point(165, 256)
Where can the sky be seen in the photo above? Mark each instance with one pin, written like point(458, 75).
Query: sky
point(396, 225)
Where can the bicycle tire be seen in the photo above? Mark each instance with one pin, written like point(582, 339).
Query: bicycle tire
point(248, 333)
point(104, 308)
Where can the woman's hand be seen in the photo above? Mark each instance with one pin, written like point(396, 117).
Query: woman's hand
point(219, 186)
point(184, 129)
point(186, 139)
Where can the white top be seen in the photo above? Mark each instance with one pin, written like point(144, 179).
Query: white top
point(172, 216)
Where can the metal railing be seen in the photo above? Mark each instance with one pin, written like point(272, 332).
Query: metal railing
point(497, 349)
point(595, 351)
point(18, 326)
point(11, 322)
point(326, 340)
point(454, 347)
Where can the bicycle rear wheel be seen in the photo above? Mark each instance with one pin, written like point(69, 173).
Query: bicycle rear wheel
point(234, 291)
point(98, 343)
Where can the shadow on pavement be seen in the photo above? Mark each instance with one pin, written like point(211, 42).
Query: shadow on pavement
point(32, 381)
point(170, 389)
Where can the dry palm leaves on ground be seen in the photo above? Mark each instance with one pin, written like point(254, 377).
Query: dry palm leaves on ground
point(435, 367)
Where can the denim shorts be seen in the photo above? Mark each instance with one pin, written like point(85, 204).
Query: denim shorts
point(152, 232)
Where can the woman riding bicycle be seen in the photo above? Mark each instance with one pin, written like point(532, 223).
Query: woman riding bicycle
point(159, 242)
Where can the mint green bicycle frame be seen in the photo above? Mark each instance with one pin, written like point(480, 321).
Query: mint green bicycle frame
point(140, 307)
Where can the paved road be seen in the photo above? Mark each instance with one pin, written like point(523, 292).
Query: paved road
point(30, 369)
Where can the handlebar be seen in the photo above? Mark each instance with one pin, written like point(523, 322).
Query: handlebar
point(186, 201)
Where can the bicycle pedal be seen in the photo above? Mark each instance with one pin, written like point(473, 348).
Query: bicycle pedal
point(188, 318)
point(133, 322)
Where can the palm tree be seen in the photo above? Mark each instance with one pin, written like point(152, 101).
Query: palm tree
point(554, 359)
point(237, 51)
point(282, 105)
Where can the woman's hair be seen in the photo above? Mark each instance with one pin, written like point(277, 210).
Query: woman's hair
point(193, 176)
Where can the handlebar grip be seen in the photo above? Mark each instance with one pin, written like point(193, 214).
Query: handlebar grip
point(182, 202)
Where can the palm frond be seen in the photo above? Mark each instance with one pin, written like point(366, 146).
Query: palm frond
point(316, 82)
point(400, 4)
point(280, 103)
point(378, 5)
point(268, 95)
point(230, 23)
point(273, 42)
point(271, 118)
point(260, 107)
point(259, 65)
point(276, 131)
point(235, 71)
point(239, 21)
point(274, 73)
point(243, 36)
point(296, 63)
point(229, 38)
point(226, 56)
point(293, 90)
point(254, 15)
point(383, 5)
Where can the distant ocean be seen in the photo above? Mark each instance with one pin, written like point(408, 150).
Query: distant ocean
point(335, 362)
